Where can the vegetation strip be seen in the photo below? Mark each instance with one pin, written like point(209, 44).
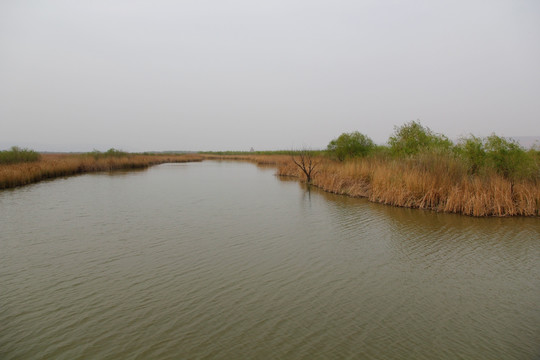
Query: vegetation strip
point(50, 166)
point(17, 155)
point(434, 182)
point(491, 176)
point(442, 187)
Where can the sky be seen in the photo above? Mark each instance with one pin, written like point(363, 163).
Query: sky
point(238, 74)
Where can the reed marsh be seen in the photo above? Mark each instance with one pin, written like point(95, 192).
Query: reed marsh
point(437, 183)
point(17, 155)
point(491, 176)
point(59, 165)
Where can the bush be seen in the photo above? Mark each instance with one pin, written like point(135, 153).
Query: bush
point(472, 151)
point(112, 152)
point(349, 145)
point(495, 153)
point(508, 158)
point(18, 155)
point(413, 138)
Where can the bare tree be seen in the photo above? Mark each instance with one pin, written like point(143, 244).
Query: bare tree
point(306, 161)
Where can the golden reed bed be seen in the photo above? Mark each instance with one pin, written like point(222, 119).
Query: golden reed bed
point(439, 184)
point(59, 165)
point(435, 183)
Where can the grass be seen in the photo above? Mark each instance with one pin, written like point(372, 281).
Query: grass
point(477, 177)
point(17, 155)
point(51, 166)
point(436, 182)
point(442, 181)
point(260, 159)
point(111, 153)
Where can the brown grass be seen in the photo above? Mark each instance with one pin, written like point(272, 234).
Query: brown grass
point(59, 165)
point(260, 160)
point(435, 183)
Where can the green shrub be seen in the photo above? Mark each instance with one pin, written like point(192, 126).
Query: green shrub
point(112, 152)
point(472, 151)
point(508, 158)
point(413, 138)
point(349, 145)
point(501, 155)
point(18, 155)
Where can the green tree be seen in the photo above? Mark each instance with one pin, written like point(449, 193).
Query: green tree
point(472, 150)
point(349, 145)
point(508, 158)
point(413, 138)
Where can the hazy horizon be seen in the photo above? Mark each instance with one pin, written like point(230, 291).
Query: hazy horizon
point(235, 75)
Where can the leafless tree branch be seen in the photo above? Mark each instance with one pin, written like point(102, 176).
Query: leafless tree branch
point(306, 161)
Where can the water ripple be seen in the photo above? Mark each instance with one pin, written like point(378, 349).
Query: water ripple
point(121, 267)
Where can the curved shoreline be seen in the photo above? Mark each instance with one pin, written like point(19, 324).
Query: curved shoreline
point(438, 185)
point(386, 182)
point(52, 166)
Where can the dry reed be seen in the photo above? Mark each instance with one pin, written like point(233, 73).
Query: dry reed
point(435, 183)
point(260, 160)
point(60, 165)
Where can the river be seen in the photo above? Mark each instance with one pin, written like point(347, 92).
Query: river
point(224, 260)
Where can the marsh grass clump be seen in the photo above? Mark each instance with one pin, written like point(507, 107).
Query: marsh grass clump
point(17, 155)
point(492, 176)
point(260, 158)
point(51, 166)
point(439, 183)
point(111, 153)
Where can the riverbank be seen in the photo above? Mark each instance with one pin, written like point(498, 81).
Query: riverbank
point(51, 166)
point(212, 248)
point(436, 183)
point(260, 160)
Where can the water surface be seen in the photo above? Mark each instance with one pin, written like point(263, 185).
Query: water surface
point(225, 260)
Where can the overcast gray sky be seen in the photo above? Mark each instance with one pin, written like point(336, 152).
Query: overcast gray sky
point(230, 75)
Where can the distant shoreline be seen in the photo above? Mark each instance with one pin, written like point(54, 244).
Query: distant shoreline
point(438, 184)
point(51, 166)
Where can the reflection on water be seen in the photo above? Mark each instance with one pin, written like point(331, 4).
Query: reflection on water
point(225, 260)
